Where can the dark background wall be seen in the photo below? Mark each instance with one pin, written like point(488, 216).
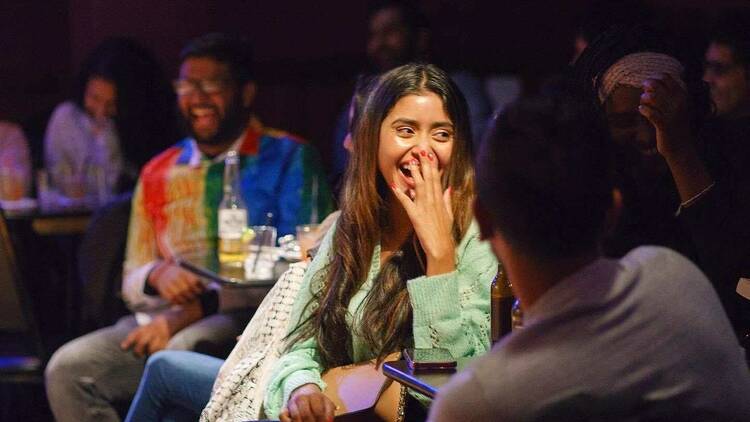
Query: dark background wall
point(307, 51)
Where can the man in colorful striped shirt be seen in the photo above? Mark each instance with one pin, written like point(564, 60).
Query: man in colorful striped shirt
point(174, 215)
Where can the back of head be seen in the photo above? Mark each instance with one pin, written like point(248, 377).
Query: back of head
point(145, 116)
point(544, 177)
point(236, 52)
point(732, 29)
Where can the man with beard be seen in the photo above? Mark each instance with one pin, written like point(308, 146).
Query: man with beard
point(175, 216)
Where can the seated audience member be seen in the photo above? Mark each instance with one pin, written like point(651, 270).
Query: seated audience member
point(677, 191)
point(726, 65)
point(425, 278)
point(239, 382)
point(727, 72)
point(15, 162)
point(642, 337)
point(174, 216)
point(176, 385)
point(121, 116)
point(399, 33)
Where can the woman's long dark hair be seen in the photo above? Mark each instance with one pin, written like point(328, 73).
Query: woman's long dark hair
point(146, 115)
point(386, 318)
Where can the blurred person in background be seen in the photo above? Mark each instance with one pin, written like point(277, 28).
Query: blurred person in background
point(399, 33)
point(726, 66)
point(174, 216)
point(677, 189)
point(727, 72)
point(178, 384)
point(15, 162)
point(121, 115)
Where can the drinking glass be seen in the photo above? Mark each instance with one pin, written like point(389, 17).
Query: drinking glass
point(262, 254)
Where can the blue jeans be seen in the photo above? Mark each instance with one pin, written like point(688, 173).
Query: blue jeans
point(176, 386)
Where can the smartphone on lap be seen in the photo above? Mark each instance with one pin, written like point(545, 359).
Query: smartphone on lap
point(425, 360)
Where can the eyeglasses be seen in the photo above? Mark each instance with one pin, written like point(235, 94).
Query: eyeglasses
point(718, 68)
point(187, 87)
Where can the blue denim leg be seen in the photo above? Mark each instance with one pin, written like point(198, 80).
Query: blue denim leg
point(176, 385)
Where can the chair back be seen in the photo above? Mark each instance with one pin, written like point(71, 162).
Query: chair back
point(17, 317)
point(100, 258)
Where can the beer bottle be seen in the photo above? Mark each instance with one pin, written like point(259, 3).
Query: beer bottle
point(501, 300)
point(232, 215)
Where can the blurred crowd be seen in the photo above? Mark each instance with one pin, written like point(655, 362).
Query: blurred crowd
point(614, 196)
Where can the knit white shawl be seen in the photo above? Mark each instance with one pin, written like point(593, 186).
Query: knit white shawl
point(240, 386)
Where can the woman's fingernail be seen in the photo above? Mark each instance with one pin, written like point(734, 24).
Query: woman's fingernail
point(422, 153)
point(414, 162)
point(431, 156)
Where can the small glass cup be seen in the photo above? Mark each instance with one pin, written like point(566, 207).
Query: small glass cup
point(262, 254)
point(307, 236)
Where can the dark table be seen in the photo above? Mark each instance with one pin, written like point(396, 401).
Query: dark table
point(235, 276)
point(425, 382)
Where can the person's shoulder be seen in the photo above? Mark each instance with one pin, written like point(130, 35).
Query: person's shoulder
point(661, 262)
point(67, 109)
point(283, 136)
point(165, 158)
point(662, 273)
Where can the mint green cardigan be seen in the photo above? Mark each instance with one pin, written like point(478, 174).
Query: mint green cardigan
point(450, 310)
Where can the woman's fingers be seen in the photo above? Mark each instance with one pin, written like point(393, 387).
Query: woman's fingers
point(284, 415)
point(319, 405)
point(311, 408)
point(330, 410)
point(299, 409)
point(437, 183)
point(405, 200)
point(428, 174)
point(416, 173)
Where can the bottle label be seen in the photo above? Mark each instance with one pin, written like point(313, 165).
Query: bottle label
point(232, 223)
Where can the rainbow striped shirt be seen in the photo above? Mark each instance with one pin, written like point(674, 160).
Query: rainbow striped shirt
point(176, 200)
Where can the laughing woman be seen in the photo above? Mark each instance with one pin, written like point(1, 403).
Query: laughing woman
point(403, 266)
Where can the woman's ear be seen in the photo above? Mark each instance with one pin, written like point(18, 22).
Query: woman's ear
point(248, 93)
point(614, 212)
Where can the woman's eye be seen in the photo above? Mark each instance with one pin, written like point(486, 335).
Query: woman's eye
point(405, 131)
point(442, 135)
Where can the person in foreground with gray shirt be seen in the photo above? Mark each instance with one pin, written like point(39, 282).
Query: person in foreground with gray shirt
point(643, 337)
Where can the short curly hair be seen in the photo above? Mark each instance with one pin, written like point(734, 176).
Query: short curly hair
point(234, 51)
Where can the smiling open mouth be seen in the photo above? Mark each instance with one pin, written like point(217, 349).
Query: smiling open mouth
point(203, 118)
point(405, 170)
